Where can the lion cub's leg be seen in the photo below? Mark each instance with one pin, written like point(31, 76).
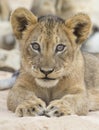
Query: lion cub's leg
point(69, 104)
point(24, 102)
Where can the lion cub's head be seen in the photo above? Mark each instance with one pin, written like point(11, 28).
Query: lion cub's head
point(49, 45)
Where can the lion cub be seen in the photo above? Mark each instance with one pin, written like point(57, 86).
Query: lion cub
point(56, 78)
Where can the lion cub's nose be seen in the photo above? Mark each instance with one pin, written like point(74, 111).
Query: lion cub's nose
point(46, 71)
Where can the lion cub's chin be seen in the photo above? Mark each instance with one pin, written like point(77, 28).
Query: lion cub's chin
point(46, 83)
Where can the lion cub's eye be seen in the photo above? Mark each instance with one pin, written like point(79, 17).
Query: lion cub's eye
point(60, 47)
point(35, 46)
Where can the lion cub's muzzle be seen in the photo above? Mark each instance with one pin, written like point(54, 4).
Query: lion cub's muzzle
point(46, 81)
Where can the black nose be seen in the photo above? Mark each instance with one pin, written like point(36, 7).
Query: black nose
point(46, 71)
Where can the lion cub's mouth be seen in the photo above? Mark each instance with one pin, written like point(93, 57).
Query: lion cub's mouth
point(46, 78)
point(46, 82)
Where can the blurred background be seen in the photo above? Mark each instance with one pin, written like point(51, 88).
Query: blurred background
point(9, 50)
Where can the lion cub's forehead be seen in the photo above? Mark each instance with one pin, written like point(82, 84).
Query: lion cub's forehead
point(48, 30)
point(50, 26)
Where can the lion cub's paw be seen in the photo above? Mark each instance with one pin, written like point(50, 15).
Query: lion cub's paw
point(58, 108)
point(31, 108)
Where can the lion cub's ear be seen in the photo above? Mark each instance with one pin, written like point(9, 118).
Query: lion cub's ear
point(80, 25)
point(21, 18)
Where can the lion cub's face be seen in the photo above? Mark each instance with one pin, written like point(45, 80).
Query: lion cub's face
point(49, 45)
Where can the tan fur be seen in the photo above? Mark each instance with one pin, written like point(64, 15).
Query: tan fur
point(72, 76)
